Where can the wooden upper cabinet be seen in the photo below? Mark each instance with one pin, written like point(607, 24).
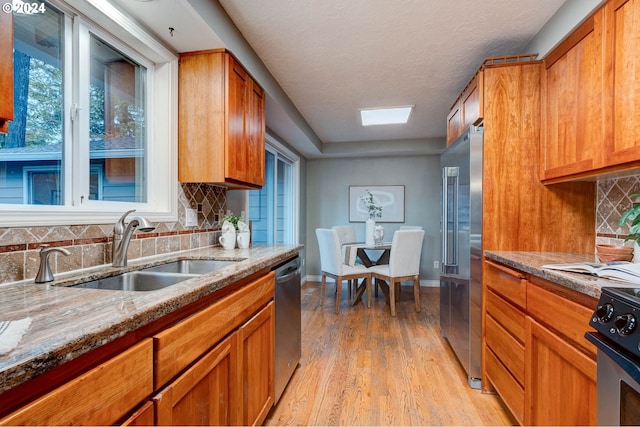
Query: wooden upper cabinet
point(220, 121)
point(622, 81)
point(472, 102)
point(468, 109)
point(590, 101)
point(572, 109)
point(454, 122)
point(6, 70)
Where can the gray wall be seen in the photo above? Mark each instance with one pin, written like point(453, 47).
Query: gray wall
point(569, 16)
point(328, 183)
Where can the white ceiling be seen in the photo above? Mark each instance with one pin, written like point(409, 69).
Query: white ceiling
point(332, 57)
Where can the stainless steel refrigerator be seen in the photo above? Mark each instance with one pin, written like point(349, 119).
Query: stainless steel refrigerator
point(461, 258)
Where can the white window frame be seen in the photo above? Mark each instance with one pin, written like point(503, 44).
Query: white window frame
point(162, 136)
point(280, 151)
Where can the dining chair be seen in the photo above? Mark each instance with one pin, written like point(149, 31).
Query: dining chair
point(347, 234)
point(404, 264)
point(332, 265)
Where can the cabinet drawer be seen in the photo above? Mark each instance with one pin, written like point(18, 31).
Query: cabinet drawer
point(510, 391)
point(505, 347)
point(180, 345)
point(544, 306)
point(508, 316)
point(508, 283)
point(100, 396)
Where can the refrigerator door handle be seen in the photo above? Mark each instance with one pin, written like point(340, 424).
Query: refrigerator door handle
point(450, 177)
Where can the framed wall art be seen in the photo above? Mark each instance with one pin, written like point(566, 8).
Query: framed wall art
point(388, 197)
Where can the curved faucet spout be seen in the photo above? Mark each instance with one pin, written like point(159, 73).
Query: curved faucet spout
point(122, 236)
point(44, 270)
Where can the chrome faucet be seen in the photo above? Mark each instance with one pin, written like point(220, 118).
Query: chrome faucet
point(44, 271)
point(122, 236)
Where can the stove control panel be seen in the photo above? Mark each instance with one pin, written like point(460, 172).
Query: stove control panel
point(617, 316)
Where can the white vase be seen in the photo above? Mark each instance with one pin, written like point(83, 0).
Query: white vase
point(243, 239)
point(369, 229)
point(228, 240)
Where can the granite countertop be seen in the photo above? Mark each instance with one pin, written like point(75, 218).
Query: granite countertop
point(532, 262)
point(68, 322)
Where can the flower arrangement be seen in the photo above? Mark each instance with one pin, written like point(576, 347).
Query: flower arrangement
point(375, 211)
point(233, 219)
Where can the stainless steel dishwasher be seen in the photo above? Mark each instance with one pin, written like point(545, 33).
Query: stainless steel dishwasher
point(288, 345)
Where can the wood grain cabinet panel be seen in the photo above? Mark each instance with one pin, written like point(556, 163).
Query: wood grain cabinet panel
point(116, 387)
point(205, 394)
point(572, 103)
point(221, 123)
point(537, 360)
point(511, 392)
point(506, 282)
point(622, 82)
point(561, 380)
point(180, 345)
point(6, 70)
point(256, 359)
point(454, 122)
point(472, 102)
point(590, 97)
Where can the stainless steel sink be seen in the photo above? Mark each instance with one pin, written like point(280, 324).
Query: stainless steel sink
point(137, 281)
point(191, 266)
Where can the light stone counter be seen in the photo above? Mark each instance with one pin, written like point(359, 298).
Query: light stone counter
point(69, 322)
point(532, 262)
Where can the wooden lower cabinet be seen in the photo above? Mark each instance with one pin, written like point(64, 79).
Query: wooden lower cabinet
point(144, 416)
point(205, 394)
point(101, 396)
point(561, 380)
point(232, 384)
point(212, 367)
point(534, 352)
point(256, 360)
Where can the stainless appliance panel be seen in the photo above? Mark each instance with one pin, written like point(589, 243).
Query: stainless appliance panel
point(288, 324)
point(461, 238)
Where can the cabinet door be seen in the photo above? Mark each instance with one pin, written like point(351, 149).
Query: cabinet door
point(454, 123)
point(622, 44)
point(472, 102)
point(572, 109)
point(205, 394)
point(256, 353)
point(6, 70)
point(560, 381)
point(142, 417)
point(115, 387)
point(255, 136)
point(236, 149)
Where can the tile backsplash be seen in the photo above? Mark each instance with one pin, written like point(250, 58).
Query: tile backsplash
point(612, 200)
point(90, 245)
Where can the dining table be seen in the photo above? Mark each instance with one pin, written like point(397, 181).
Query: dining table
point(353, 251)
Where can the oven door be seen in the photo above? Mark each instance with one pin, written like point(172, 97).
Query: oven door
point(618, 384)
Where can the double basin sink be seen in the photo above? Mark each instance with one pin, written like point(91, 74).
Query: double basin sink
point(157, 277)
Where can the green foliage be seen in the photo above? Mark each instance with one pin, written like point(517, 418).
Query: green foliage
point(632, 217)
point(233, 219)
point(369, 201)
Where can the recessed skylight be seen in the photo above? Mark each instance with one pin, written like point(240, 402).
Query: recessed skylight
point(385, 116)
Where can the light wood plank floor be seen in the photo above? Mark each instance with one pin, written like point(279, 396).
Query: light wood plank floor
point(363, 367)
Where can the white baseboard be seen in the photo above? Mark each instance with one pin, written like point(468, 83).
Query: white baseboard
point(423, 283)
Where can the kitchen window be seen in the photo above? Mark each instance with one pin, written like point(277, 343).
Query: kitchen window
point(272, 209)
point(93, 132)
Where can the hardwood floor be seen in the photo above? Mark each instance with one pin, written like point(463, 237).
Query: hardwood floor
point(363, 367)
